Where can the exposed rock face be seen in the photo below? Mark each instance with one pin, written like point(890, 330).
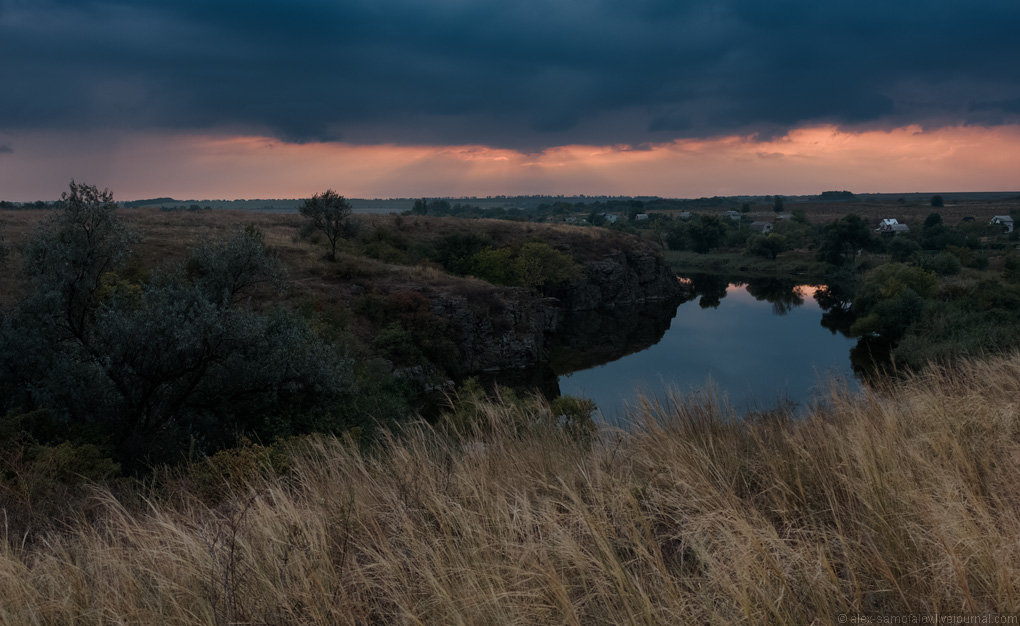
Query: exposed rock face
point(518, 330)
point(621, 279)
point(498, 335)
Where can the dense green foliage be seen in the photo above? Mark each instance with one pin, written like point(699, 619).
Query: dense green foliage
point(146, 367)
point(768, 246)
point(841, 240)
point(890, 298)
point(532, 265)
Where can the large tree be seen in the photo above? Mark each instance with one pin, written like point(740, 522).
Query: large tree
point(327, 212)
point(842, 239)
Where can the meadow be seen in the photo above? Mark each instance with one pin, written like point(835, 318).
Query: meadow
point(904, 498)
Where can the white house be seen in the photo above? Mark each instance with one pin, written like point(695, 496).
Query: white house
point(611, 217)
point(761, 227)
point(1003, 220)
point(733, 215)
point(891, 225)
point(640, 216)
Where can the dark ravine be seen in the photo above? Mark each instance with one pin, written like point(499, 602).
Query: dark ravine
point(521, 330)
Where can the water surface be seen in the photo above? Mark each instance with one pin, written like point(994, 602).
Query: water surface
point(758, 345)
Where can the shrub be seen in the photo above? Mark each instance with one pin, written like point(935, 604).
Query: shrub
point(494, 266)
point(456, 252)
point(890, 298)
point(535, 266)
point(148, 369)
point(943, 264)
point(768, 246)
point(902, 249)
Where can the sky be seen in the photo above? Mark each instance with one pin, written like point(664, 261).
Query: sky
point(390, 98)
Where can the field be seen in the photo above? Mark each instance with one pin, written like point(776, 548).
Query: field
point(899, 500)
point(167, 236)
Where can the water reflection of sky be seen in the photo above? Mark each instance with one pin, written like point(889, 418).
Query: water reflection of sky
point(752, 355)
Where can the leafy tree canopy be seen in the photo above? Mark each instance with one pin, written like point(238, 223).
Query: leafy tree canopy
point(328, 213)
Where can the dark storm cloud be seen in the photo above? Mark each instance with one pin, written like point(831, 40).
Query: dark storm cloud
point(525, 74)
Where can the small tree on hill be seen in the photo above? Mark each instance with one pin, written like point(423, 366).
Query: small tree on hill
point(327, 212)
point(937, 201)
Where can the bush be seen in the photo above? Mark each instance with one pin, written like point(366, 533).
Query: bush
point(902, 249)
point(535, 266)
point(1011, 268)
point(943, 264)
point(456, 252)
point(150, 369)
point(494, 266)
point(768, 246)
point(890, 298)
point(575, 416)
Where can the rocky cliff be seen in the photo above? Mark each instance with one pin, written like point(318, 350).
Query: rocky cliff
point(506, 332)
point(514, 329)
point(621, 278)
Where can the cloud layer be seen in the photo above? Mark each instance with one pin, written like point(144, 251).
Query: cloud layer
point(524, 75)
point(806, 161)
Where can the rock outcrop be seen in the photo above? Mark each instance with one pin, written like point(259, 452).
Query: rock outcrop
point(621, 279)
point(507, 332)
point(516, 330)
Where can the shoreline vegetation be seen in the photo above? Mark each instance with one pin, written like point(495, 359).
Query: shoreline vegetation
point(899, 499)
point(800, 267)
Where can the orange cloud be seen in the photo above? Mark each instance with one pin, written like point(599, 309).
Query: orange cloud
point(805, 161)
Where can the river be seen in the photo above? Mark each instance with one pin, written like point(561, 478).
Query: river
point(757, 345)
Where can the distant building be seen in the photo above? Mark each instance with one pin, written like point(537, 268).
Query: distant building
point(611, 217)
point(640, 216)
point(733, 215)
point(891, 225)
point(761, 227)
point(1003, 220)
point(685, 215)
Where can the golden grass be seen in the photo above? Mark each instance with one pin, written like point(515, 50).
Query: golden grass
point(903, 499)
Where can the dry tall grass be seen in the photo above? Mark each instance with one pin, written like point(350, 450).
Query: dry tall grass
point(907, 499)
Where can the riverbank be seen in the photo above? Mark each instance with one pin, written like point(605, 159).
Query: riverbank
point(892, 501)
point(799, 266)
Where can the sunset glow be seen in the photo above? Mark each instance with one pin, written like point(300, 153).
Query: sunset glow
point(805, 161)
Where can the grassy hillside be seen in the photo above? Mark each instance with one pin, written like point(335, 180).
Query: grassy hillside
point(906, 498)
